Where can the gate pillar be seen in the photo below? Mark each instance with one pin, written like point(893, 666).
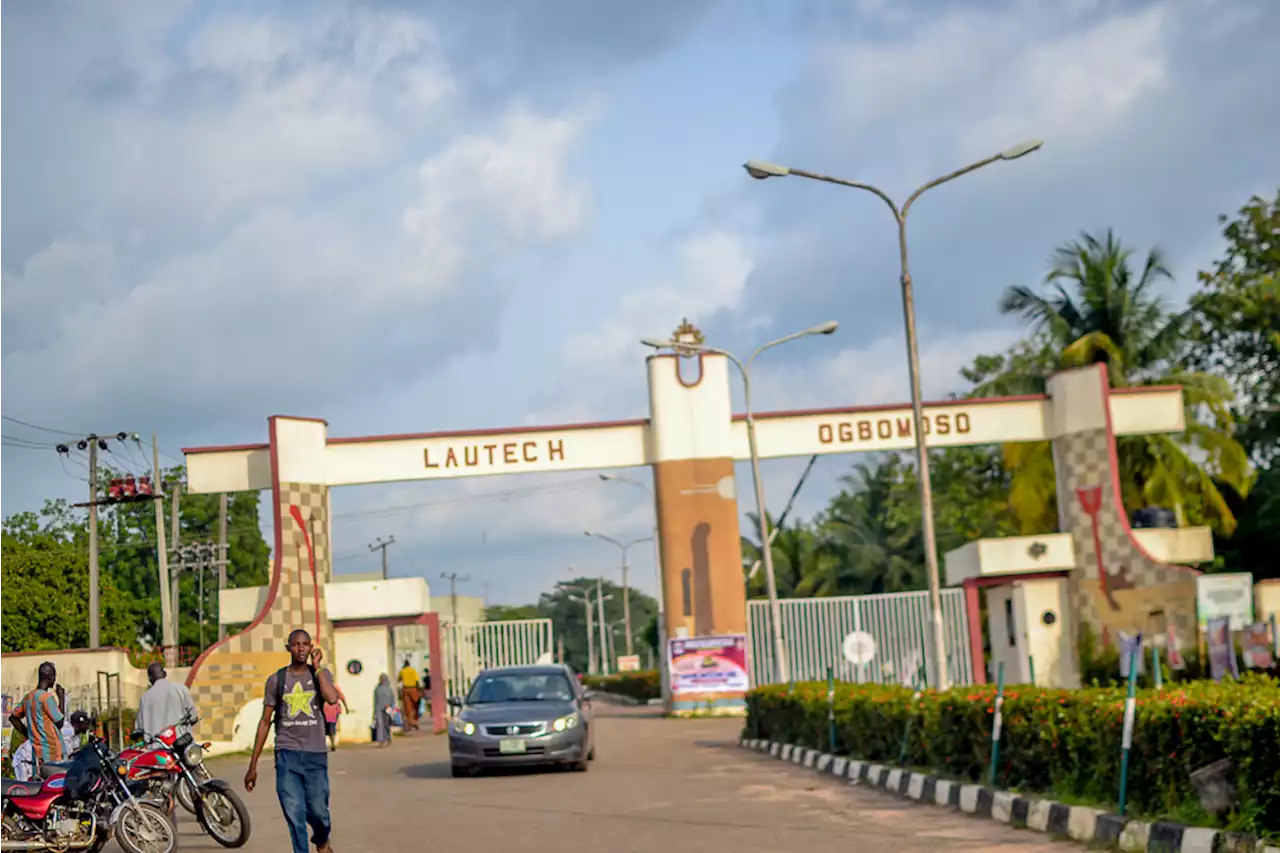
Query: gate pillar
point(1119, 585)
point(692, 452)
point(231, 674)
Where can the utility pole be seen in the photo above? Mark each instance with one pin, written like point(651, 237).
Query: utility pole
point(381, 544)
point(222, 559)
point(94, 615)
point(175, 537)
point(453, 592)
point(162, 558)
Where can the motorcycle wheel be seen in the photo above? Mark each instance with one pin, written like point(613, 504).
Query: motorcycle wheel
point(144, 828)
point(223, 816)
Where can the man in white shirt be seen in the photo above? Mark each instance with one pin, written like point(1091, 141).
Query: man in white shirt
point(164, 704)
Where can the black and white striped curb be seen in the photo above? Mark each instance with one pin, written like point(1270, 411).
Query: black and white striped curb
point(1081, 823)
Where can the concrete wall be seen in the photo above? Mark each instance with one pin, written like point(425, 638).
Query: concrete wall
point(371, 646)
point(77, 672)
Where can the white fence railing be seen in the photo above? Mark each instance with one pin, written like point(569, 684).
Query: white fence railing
point(815, 628)
point(470, 647)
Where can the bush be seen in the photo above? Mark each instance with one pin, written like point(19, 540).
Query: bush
point(642, 686)
point(1065, 741)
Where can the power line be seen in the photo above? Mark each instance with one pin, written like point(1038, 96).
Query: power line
point(42, 428)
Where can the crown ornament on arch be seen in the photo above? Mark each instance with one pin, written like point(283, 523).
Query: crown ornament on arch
point(687, 333)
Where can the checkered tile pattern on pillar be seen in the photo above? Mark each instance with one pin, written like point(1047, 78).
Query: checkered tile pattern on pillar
point(235, 671)
point(1083, 461)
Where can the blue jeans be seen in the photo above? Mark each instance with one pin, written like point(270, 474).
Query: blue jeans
point(302, 784)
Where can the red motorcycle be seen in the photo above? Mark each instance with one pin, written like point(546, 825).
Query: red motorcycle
point(170, 766)
point(79, 805)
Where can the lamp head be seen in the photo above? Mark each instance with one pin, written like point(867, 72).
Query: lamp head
point(1022, 149)
point(760, 170)
point(657, 343)
point(825, 328)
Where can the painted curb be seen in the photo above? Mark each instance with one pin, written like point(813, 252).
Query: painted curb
point(1080, 823)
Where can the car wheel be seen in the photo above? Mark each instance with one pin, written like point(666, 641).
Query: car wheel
point(581, 765)
point(591, 756)
point(459, 771)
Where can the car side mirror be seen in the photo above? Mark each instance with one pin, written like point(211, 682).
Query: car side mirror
point(454, 702)
point(588, 695)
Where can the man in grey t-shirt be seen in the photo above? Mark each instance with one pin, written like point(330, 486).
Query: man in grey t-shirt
point(295, 697)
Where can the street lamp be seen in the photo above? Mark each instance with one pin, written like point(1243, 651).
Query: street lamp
point(783, 666)
point(761, 171)
point(584, 597)
point(626, 591)
point(657, 575)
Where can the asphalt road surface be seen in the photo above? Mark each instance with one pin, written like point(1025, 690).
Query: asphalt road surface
point(668, 786)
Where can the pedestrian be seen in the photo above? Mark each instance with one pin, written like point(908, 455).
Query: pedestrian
point(409, 695)
point(75, 731)
point(331, 711)
point(39, 717)
point(426, 691)
point(166, 703)
point(295, 696)
point(384, 702)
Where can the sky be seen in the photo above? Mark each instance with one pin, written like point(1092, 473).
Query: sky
point(420, 216)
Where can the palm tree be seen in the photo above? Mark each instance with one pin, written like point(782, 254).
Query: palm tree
point(1096, 310)
point(797, 560)
point(872, 549)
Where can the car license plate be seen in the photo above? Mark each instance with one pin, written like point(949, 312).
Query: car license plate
point(511, 746)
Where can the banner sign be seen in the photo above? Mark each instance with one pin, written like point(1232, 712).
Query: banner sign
point(715, 664)
point(1229, 595)
point(1222, 651)
point(1257, 646)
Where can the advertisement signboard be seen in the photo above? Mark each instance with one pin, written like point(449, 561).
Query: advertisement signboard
point(702, 665)
point(1229, 595)
point(628, 663)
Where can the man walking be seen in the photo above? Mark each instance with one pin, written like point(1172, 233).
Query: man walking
point(39, 717)
point(409, 695)
point(295, 696)
point(166, 703)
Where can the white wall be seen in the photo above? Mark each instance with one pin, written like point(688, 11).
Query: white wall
point(376, 599)
point(371, 646)
point(1003, 649)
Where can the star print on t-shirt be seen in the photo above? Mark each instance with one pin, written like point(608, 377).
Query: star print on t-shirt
point(299, 701)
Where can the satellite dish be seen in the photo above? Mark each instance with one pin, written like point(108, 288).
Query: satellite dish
point(858, 648)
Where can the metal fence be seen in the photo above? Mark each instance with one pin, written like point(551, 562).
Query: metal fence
point(470, 647)
point(815, 628)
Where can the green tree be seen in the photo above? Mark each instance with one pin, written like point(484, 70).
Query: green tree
point(799, 563)
point(44, 596)
point(569, 620)
point(511, 612)
point(1235, 332)
point(1096, 309)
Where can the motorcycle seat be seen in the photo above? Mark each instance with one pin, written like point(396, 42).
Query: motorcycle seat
point(15, 788)
point(53, 768)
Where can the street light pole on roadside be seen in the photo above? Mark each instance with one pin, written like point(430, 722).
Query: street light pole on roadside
point(657, 576)
point(782, 666)
point(761, 171)
point(626, 591)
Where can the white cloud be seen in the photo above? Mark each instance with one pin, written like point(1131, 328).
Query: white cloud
point(711, 268)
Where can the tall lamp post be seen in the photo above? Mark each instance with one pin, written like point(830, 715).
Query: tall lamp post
point(626, 592)
point(782, 665)
point(761, 171)
point(657, 576)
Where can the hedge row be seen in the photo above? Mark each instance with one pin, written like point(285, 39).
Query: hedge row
point(1061, 741)
point(637, 685)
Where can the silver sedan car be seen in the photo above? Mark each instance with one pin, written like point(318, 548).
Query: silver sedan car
point(521, 716)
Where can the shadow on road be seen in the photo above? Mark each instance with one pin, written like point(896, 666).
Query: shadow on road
point(441, 770)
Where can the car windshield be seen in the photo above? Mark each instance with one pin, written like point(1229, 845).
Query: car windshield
point(520, 687)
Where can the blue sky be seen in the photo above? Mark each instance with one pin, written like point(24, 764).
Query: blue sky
point(423, 216)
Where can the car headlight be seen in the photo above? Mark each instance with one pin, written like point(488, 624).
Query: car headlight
point(462, 727)
point(565, 723)
point(193, 754)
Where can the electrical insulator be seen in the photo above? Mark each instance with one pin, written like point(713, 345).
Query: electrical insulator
point(130, 487)
point(115, 491)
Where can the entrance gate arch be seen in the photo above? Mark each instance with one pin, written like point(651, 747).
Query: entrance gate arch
point(691, 440)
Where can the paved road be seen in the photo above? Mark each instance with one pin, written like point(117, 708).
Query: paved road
point(668, 786)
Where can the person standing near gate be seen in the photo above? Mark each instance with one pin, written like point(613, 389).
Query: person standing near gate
point(39, 717)
point(295, 696)
point(409, 695)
